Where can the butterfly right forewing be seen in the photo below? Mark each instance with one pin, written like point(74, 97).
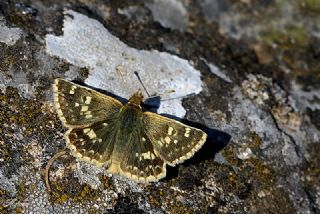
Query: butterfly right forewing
point(173, 141)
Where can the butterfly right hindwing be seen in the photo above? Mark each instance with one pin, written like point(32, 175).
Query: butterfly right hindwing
point(141, 163)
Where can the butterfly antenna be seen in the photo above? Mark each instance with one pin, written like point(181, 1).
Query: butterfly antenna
point(137, 75)
point(149, 96)
point(164, 93)
point(180, 97)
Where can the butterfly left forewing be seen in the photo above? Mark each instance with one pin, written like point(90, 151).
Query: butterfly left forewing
point(173, 141)
point(79, 106)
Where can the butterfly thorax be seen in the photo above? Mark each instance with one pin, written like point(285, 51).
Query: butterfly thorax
point(131, 113)
point(135, 100)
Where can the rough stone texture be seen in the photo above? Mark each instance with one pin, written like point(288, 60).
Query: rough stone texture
point(169, 13)
point(254, 73)
point(9, 36)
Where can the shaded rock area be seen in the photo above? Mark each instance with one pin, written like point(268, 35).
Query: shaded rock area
point(246, 72)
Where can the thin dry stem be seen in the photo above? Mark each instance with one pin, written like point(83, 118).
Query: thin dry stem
point(47, 169)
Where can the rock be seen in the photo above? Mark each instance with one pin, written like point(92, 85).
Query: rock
point(245, 72)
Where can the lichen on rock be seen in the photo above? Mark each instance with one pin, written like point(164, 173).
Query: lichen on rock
point(251, 83)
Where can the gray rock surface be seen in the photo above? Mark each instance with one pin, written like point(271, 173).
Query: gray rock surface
point(245, 72)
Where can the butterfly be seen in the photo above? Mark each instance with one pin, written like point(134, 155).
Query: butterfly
point(122, 138)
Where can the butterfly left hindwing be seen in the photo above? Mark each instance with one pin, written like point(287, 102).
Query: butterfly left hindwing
point(94, 143)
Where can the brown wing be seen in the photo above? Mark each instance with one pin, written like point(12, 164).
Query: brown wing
point(140, 162)
point(79, 106)
point(93, 144)
point(173, 141)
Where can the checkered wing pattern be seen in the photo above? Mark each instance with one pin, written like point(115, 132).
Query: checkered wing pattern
point(80, 106)
point(173, 141)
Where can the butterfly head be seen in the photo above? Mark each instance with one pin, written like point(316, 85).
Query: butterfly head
point(136, 98)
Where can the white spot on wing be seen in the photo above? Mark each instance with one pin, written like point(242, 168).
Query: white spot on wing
point(88, 116)
point(88, 100)
point(187, 133)
point(160, 143)
point(152, 156)
point(92, 134)
point(148, 155)
point(167, 139)
point(86, 130)
point(84, 108)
